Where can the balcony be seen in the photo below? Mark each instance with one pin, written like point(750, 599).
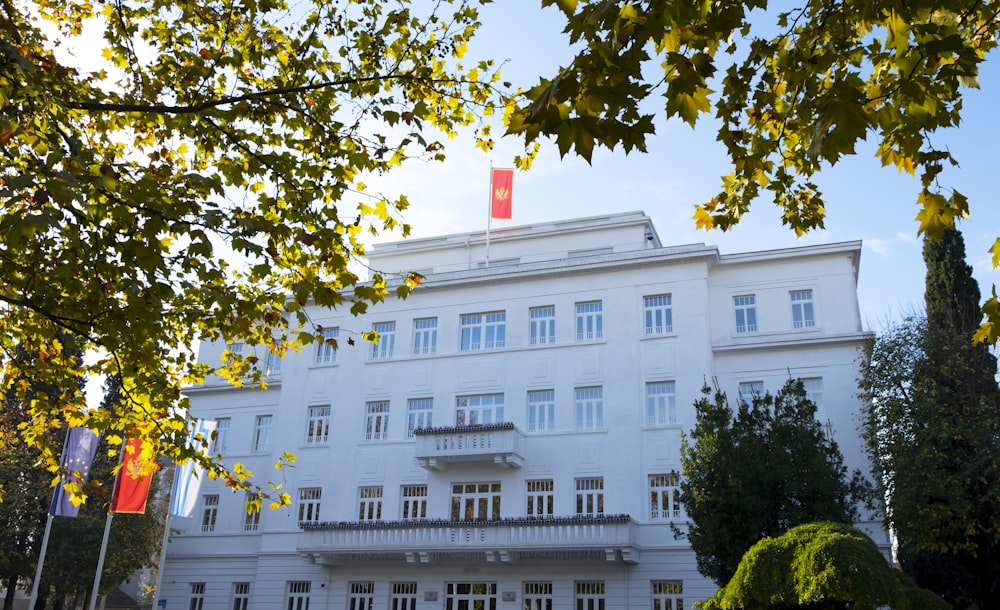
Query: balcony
point(605, 538)
point(502, 444)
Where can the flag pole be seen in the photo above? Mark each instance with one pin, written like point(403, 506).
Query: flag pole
point(41, 561)
point(489, 215)
point(100, 562)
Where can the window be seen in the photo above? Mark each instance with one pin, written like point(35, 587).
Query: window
point(661, 403)
point(814, 391)
point(543, 325)
point(272, 366)
point(382, 350)
point(370, 503)
point(746, 313)
point(749, 389)
point(802, 309)
point(419, 414)
point(241, 595)
point(484, 331)
point(425, 336)
point(657, 314)
point(377, 421)
point(251, 519)
point(326, 353)
point(403, 596)
point(589, 321)
point(221, 442)
point(318, 425)
point(590, 496)
point(477, 410)
point(209, 513)
point(540, 498)
point(197, 596)
point(414, 501)
point(668, 595)
point(470, 596)
point(362, 596)
point(664, 496)
point(475, 501)
point(298, 595)
point(541, 410)
point(309, 499)
point(589, 408)
point(262, 433)
point(537, 596)
point(590, 595)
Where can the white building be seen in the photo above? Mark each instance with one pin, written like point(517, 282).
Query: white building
point(512, 442)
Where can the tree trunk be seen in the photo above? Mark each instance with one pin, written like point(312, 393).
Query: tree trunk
point(8, 600)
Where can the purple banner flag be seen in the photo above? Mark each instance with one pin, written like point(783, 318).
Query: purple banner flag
point(78, 455)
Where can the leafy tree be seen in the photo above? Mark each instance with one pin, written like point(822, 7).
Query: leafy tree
point(27, 486)
point(820, 566)
point(799, 86)
point(759, 472)
point(932, 428)
point(219, 130)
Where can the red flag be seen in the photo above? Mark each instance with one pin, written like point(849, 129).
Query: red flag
point(132, 485)
point(501, 192)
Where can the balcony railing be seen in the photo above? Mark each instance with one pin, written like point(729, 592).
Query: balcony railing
point(502, 444)
point(607, 538)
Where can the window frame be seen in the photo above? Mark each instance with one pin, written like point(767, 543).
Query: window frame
point(803, 309)
point(386, 345)
point(669, 595)
point(263, 425)
point(403, 595)
point(589, 410)
point(589, 595)
point(419, 414)
point(361, 595)
point(413, 503)
point(542, 325)
point(326, 353)
point(657, 308)
point(370, 503)
point(589, 496)
point(665, 497)
point(745, 312)
point(424, 338)
point(749, 389)
point(241, 596)
point(298, 592)
point(589, 320)
point(209, 512)
point(472, 495)
point(541, 410)
point(318, 424)
point(220, 444)
point(196, 599)
point(309, 504)
point(376, 420)
point(661, 407)
point(537, 595)
point(540, 494)
point(469, 414)
point(485, 331)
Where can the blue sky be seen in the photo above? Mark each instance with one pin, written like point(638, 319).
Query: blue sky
point(682, 167)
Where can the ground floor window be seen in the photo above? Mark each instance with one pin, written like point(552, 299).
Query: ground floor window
point(298, 595)
point(537, 596)
point(667, 595)
point(404, 596)
point(590, 595)
point(197, 596)
point(241, 595)
point(362, 596)
point(471, 596)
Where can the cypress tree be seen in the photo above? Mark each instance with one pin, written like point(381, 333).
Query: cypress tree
point(945, 499)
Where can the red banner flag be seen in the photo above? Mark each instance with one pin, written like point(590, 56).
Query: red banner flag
point(501, 192)
point(132, 485)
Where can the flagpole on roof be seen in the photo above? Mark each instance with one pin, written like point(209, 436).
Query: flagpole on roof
point(489, 215)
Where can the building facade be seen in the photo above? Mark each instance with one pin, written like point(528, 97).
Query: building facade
point(512, 441)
